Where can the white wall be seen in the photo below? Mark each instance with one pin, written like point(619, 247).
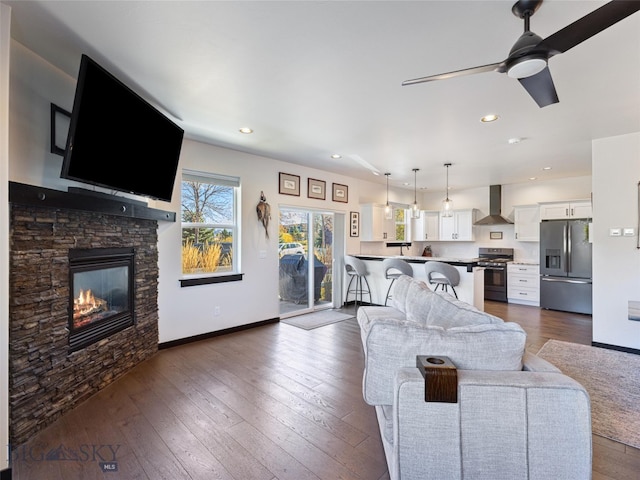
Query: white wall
point(189, 311)
point(616, 260)
point(5, 23)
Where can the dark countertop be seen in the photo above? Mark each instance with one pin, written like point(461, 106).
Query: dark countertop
point(458, 262)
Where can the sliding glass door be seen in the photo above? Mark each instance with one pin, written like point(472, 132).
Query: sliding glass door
point(306, 261)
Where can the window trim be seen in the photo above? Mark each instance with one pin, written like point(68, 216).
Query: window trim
point(200, 280)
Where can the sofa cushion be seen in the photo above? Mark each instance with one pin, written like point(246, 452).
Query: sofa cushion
point(419, 301)
point(392, 344)
point(400, 293)
point(447, 311)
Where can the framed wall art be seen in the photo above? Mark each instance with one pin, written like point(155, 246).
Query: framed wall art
point(495, 235)
point(316, 188)
point(340, 193)
point(289, 184)
point(60, 120)
point(354, 224)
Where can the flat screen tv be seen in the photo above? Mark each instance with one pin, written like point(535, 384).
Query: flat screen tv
point(117, 140)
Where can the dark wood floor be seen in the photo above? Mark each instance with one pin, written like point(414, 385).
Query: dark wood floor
point(272, 402)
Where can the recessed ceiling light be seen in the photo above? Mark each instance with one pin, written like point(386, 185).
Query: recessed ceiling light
point(546, 168)
point(514, 140)
point(246, 130)
point(336, 156)
point(489, 118)
point(376, 173)
point(533, 178)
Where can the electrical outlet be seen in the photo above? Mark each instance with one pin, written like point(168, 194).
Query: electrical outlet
point(216, 310)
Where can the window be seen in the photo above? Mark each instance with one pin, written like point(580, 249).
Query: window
point(400, 216)
point(209, 217)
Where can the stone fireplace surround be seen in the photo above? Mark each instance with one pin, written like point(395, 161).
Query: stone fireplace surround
point(46, 379)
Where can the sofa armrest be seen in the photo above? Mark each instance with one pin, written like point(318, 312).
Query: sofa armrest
point(534, 363)
point(505, 425)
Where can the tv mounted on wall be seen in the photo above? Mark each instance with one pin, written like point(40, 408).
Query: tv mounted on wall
point(117, 140)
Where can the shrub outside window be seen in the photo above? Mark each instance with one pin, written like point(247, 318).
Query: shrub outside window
point(400, 218)
point(209, 224)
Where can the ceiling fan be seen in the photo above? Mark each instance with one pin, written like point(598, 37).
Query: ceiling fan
point(528, 58)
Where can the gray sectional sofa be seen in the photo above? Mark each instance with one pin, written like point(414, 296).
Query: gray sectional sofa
point(516, 416)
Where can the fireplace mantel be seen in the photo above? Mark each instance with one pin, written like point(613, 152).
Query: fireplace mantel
point(24, 194)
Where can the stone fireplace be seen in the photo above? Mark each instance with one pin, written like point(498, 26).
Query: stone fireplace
point(57, 358)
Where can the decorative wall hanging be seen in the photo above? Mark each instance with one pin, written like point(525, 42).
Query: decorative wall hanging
point(289, 184)
point(354, 226)
point(495, 235)
point(60, 120)
point(316, 188)
point(340, 193)
point(264, 213)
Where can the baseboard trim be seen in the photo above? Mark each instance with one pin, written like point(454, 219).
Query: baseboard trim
point(616, 347)
point(217, 333)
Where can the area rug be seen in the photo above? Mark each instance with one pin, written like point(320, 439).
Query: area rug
point(612, 379)
point(309, 321)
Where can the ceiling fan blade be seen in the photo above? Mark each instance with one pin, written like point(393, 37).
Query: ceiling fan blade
point(588, 26)
point(494, 67)
point(540, 87)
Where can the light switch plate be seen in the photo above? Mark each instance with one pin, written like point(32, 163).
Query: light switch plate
point(615, 232)
point(628, 232)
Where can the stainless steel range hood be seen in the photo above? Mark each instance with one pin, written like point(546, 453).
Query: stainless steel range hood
point(495, 207)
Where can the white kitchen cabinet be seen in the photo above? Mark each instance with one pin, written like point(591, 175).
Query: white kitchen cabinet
point(563, 210)
point(374, 227)
point(427, 227)
point(527, 223)
point(523, 284)
point(459, 227)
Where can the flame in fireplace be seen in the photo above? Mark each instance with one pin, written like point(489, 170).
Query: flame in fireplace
point(87, 304)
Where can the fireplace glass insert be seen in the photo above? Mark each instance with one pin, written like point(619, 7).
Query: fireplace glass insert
point(101, 294)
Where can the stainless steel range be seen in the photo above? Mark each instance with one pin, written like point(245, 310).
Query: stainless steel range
point(494, 261)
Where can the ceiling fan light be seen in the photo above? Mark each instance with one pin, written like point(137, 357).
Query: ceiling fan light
point(527, 67)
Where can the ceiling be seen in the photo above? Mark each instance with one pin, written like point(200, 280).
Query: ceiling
point(316, 78)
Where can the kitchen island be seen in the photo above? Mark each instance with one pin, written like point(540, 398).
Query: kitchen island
point(470, 289)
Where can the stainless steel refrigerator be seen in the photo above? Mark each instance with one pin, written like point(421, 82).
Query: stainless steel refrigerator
point(565, 266)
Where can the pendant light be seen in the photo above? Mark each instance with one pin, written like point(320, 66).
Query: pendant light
point(447, 204)
point(415, 209)
point(388, 211)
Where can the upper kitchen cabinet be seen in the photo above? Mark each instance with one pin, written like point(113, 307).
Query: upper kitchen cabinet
point(374, 227)
point(527, 223)
point(427, 227)
point(458, 227)
point(564, 210)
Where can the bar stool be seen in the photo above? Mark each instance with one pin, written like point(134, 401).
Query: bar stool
point(357, 270)
point(442, 275)
point(394, 268)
